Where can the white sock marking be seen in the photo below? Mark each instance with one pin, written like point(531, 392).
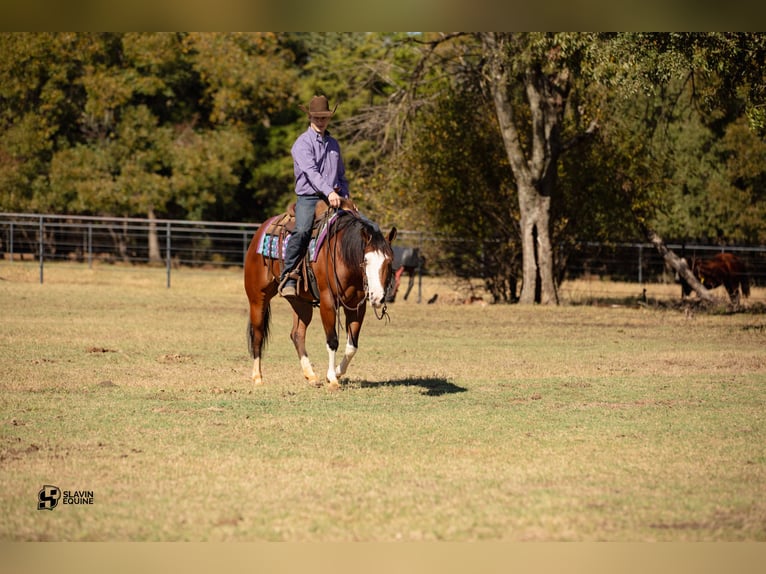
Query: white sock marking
point(331, 376)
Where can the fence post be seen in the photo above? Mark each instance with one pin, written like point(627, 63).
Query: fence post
point(42, 247)
point(640, 264)
point(167, 251)
point(10, 241)
point(90, 245)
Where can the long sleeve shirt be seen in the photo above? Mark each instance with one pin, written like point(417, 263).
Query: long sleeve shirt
point(318, 165)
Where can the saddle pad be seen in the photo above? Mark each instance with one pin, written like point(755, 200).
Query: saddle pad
point(269, 244)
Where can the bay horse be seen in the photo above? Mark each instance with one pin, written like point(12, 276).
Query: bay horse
point(724, 269)
point(351, 265)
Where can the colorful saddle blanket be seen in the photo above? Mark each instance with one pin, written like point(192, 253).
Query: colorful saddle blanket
point(274, 242)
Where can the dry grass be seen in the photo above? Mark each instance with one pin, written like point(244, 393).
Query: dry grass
point(458, 422)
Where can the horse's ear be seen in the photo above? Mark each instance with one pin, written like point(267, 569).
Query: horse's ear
point(392, 235)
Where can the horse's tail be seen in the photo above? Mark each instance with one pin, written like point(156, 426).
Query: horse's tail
point(250, 336)
point(266, 328)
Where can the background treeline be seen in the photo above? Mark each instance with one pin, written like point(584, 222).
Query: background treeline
point(658, 130)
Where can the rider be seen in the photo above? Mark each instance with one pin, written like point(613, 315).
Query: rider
point(319, 175)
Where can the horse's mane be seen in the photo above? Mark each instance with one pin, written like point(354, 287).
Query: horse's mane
point(356, 232)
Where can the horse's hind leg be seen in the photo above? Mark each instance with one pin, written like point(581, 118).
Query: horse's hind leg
point(257, 332)
point(302, 313)
point(732, 288)
point(734, 293)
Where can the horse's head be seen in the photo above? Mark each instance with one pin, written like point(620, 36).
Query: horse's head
point(703, 271)
point(378, 265)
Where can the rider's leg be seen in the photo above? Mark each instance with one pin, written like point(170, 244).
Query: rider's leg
point(299, 239)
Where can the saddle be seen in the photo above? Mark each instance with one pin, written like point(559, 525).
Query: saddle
point(278, 230)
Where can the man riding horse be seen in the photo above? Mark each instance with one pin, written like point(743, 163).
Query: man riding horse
point(320, 175)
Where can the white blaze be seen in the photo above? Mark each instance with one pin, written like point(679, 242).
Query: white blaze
point(373, 263)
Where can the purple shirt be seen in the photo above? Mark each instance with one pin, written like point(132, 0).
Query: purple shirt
point(318, 165)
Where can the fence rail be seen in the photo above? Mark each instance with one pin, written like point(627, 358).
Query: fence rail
point(45, 238)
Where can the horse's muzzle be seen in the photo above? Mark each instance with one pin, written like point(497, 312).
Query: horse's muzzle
point(375, 301)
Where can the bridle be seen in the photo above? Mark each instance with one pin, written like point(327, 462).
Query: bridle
point(337, 290)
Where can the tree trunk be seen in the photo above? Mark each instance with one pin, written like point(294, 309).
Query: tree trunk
point(154, 241)
point(537, 254)
point(534, 169)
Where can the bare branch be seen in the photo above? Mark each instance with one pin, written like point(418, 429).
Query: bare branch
point(386, 124)
point(576, 140)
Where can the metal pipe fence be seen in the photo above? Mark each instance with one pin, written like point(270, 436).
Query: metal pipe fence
point(641, 263)
point(46, 238)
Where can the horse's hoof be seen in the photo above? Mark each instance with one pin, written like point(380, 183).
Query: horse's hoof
point(309, 374)
point(333, 386)
point(258, 382)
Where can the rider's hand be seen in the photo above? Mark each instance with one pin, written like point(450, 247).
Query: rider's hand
point(334, 199)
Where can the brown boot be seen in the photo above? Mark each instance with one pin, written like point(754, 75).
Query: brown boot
point(288, 288)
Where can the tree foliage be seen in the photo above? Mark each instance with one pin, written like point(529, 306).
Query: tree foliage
point(643, 130)
point(132, 124)
point(630, 153)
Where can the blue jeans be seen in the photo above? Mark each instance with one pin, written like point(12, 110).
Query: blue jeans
point(305, 206)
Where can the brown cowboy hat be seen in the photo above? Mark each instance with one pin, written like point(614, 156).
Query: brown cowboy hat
point(320, 107)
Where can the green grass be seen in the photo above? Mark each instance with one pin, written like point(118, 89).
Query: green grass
point(456, 422)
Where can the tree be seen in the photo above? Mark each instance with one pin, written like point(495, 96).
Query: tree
point(540, 66)
point(626, 91)
point(458, 182)
point(525, 80)
point(40, 99)
point(543, 138)
point(719, 76)
point(139, 124)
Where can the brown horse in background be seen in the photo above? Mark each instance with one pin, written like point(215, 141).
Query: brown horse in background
point(724, 269)
point(351, 266)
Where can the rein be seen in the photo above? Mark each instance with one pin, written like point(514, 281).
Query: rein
point(383, 313)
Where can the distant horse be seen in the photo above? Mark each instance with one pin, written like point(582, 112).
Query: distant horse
point(724, 269)
point(350, 265)
point(406, 260)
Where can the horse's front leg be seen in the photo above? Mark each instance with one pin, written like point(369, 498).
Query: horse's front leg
point(733, 289)
point(302, 313)
point(329, 315)
point(353, 327)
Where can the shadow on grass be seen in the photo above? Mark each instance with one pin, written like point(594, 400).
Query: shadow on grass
point(432, 386)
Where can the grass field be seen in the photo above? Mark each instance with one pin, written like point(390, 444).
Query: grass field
point(610, 421)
